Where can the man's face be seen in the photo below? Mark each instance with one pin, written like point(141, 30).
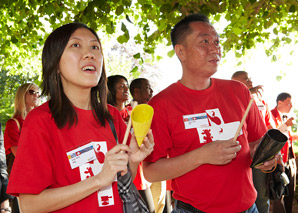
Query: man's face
point(285, 106)
point(146, 92)
point(245, 80)
point(200, 52)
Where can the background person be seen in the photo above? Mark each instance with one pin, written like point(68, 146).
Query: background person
point(68, 157)
point(4, 197)
point(26, 99)
point(194, 121)
point(119, 94)
point(141, 92)
point(259, 177)
point(283, 122)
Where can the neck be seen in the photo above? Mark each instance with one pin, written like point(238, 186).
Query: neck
point(80, 98)
point(196, 83)
point(120, 105)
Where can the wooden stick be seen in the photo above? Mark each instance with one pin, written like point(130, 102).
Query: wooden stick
point(243, 118)
point(134, 104)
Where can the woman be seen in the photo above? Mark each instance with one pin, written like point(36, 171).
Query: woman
point(68, 153)
point(119, 94)
point(26, 99)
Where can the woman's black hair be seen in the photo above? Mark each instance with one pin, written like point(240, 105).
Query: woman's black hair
point(61, 107)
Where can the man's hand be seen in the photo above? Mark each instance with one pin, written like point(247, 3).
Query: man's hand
point(268, 165)
point(290, 122)
point(220, 152)
point(257, 90)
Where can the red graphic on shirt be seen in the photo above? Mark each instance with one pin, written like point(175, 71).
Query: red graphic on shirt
point(208, 137)
point(221, 130)
point(105, 200)
point(214, 119)
point(89, 172)
point(99, 155)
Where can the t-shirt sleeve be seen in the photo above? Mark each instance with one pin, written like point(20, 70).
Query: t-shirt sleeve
point(34, 150)
point(12, 133)
point(256, 127)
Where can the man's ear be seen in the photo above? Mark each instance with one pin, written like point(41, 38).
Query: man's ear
point(179, 50)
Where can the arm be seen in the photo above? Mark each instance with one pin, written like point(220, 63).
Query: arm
point(57, 198)
point(216, 153)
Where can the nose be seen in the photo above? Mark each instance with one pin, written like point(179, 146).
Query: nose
point(89, 54)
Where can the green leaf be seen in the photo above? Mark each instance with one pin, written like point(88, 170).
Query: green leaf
point(274, 58)
point(123, 27)
point(278, 78)
point(136, 56)
point(292, 9)
point(119, 10)
point(122, 39)
point(134, 70)
point(171, 53)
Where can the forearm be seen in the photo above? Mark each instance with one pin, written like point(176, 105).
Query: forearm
point(133, 169)
point(169, 168)
point(53, 199)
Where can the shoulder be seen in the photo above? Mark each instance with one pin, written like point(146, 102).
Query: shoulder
point(165, 94)
point(229, 83)
point(113, 111)
point(41, 113)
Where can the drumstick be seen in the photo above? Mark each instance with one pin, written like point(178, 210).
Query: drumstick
point(243, 118)
point(134, 104)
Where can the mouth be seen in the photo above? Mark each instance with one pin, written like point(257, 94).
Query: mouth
point(89, 68)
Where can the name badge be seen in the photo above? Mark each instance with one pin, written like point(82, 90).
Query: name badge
point(81, 155)
point(195, 121)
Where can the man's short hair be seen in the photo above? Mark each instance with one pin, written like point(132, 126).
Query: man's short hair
point(136, 83)
point(237, 74)
point(282, 96)
point(182, 29)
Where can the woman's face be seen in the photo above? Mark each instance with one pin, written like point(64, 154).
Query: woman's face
point(122, 93)
point(32, 97)
point(80, 66)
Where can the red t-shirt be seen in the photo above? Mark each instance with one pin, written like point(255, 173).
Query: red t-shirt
point(186, 119)
point(42, 160)
point(12, 134)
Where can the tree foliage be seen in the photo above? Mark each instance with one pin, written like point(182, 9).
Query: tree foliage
point(26, 23)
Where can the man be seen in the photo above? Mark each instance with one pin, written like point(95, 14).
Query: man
point(141, 92)
point(194, 121)
point(259, 177)
point(284, 122)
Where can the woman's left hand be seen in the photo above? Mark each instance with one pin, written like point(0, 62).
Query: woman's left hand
point(137, 154)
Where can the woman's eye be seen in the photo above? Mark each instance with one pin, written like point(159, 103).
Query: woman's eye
point(95, 47)
point(75, 45)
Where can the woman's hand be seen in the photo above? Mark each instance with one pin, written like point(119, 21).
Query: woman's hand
point(138, 154)
point(116, 160)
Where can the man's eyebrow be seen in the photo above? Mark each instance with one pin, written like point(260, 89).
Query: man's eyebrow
point(206, 34)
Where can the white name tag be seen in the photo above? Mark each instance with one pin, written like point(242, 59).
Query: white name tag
point(81, 155)
point(195, 121)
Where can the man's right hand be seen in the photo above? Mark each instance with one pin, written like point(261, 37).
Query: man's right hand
point(220, 152)
point(290, 122)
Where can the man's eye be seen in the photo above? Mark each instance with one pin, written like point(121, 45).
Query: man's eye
point(75, 45)
point(205, 41)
